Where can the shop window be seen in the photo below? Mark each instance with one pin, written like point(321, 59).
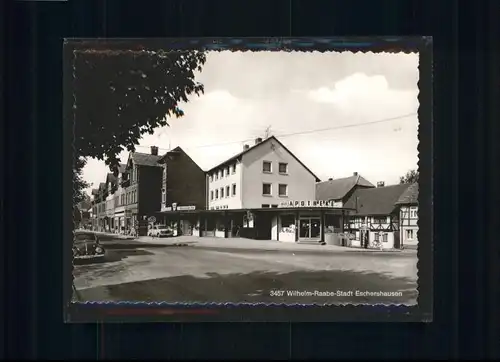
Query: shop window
point(234, 189)
point(283, 168)
point(227, 191)
point(287, 223)
point(264, 206)
point(266, 189)
point(266, 167)
point(274, 206)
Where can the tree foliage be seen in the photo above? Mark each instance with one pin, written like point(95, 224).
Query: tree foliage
point(409, 178)
point(119, 95)
point(79, 184)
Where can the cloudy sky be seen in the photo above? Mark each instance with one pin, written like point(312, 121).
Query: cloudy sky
point(315, 103)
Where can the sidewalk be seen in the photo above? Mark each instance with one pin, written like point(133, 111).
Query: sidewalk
point(262, 245)
point(242, 243)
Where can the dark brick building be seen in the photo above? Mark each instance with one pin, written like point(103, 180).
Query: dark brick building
point(183, 186)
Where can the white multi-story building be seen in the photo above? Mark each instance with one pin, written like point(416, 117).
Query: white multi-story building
point(262, 176)
point(264, 192)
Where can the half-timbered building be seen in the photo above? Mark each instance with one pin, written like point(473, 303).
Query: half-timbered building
point(408, 217)
point(375, 221)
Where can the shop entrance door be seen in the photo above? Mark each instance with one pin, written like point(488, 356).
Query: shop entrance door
point(310, 228)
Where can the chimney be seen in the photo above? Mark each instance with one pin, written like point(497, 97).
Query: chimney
point(245, 147)
point(154, 150)
point(380, 184)
point(258, 140)
point(355, 174)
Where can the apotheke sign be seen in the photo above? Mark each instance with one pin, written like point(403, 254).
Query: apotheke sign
point(310, 203)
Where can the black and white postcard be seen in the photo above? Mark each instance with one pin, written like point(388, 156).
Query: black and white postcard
point(208, 176)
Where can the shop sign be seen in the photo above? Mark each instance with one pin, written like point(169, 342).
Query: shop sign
point(310, 203)
point(176, 207)
point(220, 207)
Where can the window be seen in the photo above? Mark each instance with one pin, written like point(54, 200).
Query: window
point(283, 168)
point(233, 168)
point(211, 178)
point(385, 237)
point(163, 196)
point(380, 220)
point(211, 195)
point(216, 194)
point(227, 191)
point(274, 206)
point(266, 189)
point(287, 223)
point(216, 176)
point(377, 237)
point(221, 192)
point(267, 167)
point(234, 189)
point(409, 234)
point(283, 190)
point(264, 206)
point(220, 173)
point(227, 171)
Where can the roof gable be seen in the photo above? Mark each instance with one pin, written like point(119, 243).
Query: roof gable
point(177, 149)
point(240, 154)
point(143, 159)
point(376, 201)
point(337, 189)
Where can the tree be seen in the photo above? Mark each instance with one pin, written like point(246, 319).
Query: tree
point(410, 177)
point(79, 184)
point(121, 94)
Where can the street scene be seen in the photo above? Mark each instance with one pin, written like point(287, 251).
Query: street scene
point(256, 177)
point(212, 270)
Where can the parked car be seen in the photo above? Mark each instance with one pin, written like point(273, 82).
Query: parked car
point(159, 231)
point(86, 246)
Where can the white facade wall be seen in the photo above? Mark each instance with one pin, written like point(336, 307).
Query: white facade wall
point(301, 183)
point(228, 201)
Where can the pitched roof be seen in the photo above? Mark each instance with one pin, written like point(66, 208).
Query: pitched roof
point(240, 154)
point(410, 196)
point(337, 189)
point(376, 201)
point(144, 159)
point(177, 149)
point(110, 177)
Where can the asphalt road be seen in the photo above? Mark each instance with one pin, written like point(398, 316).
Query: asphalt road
point(135, 271)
